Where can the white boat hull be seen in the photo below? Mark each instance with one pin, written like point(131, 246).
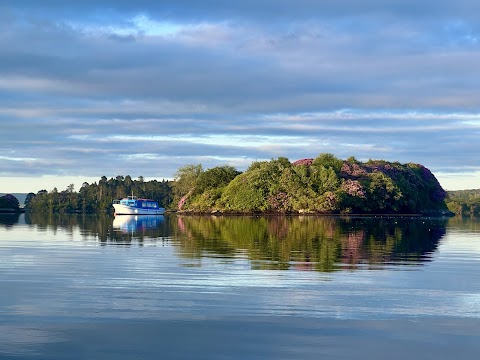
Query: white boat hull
point(121, 209)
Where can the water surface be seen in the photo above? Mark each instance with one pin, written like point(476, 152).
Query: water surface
point(86, 287)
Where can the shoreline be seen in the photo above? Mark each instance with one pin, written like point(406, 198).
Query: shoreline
point(12, 211)
point(272, 214)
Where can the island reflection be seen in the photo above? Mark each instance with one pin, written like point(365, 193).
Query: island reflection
point(269, 242)
point(311, 243)
point(8, 220)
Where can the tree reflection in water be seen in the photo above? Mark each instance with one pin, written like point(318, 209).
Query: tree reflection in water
point(268, 242)
point(8, 220)
point(311, 243)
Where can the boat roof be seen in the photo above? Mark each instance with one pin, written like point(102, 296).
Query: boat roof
point(135, 198)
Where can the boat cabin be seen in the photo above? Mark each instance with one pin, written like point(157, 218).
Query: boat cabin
point(133, 201)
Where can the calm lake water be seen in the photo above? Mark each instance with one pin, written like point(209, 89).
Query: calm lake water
point(176, 287)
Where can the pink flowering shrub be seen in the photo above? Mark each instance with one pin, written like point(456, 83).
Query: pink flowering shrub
point(306, 162)
point(352, 170)
point(182, 202)
point(353, 188)
point(279, 201)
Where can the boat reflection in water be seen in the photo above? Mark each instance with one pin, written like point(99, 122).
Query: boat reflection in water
point(137, 224)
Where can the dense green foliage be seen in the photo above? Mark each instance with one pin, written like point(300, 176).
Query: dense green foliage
point(99, 197)
point(322, 185)
point(200, 187)
point(464, 202)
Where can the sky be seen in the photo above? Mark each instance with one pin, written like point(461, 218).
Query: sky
point(142, 88)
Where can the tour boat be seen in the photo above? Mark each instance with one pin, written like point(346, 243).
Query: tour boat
point(131, 205)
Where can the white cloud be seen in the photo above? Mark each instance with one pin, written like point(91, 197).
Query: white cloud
point(11, 158)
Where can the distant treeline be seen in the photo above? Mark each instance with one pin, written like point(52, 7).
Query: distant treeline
point(99, 196)
point(324, 185)
point(464, 202)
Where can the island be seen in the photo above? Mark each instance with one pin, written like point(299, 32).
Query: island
point(321, 185)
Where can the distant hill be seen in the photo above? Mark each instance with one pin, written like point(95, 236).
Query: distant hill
point(464, 202)
point(20, 197)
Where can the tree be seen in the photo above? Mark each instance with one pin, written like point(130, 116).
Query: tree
point(186, 180)
point(128, 181)
point(323, 179)
point(329, 161)
point(383, 193)
point(29, 198)
point(244, 194)
point(216, 177)
point(9, 201)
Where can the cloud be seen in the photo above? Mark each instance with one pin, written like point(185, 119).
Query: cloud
point(107, 88)
point(262, 10)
